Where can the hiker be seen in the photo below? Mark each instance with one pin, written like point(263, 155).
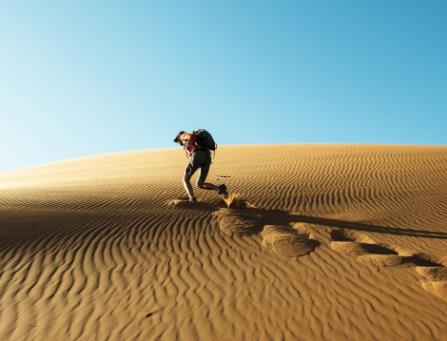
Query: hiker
point(198, 146)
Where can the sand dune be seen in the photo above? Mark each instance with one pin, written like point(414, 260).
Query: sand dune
point(327, 242)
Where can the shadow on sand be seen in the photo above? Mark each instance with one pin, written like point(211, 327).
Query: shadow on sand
point(280, 217)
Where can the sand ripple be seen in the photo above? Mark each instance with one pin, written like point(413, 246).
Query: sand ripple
point(101, 248)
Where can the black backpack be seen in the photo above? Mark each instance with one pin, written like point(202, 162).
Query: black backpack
point(204, 140)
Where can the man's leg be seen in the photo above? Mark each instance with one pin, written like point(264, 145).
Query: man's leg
point(189, 171)
point(221, 189)
point(207, 185)
point(202, 177)
point(188, 187)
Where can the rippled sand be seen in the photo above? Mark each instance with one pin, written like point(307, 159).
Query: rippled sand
point(327, 242)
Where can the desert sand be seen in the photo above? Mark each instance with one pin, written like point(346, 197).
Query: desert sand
point(321, 242)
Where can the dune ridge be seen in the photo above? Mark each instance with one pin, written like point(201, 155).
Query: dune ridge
point(325, 242)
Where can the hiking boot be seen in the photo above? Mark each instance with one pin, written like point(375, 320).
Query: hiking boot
point(223, 191)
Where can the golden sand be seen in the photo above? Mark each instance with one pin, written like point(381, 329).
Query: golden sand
point(327, 242)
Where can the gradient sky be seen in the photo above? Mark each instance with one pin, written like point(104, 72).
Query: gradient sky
point(79, 78)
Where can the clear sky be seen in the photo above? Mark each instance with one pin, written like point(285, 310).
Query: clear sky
point(80, 78)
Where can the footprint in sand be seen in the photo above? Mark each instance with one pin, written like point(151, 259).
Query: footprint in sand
point(433, 272)
point(184, 203)
point(234, 200)
point(286, 241)
point(363, 247)
point(235, 221)
point(294, 241)
point(243, 218)
point(434, 275)
point(236, 218)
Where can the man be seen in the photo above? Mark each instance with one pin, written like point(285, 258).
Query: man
point(199, 157)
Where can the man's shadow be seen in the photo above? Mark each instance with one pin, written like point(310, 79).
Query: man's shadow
point(263, 217)
point(282, 217)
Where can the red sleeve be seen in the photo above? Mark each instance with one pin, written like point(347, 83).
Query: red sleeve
point(192, 139)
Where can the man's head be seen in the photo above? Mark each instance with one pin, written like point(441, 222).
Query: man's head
point(177, 138)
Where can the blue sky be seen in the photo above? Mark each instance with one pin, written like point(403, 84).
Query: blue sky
point(88, 77)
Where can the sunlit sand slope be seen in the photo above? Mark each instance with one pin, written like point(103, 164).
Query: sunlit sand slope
point(327, 242)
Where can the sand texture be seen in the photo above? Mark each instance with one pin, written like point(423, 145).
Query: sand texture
point(316, 242)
